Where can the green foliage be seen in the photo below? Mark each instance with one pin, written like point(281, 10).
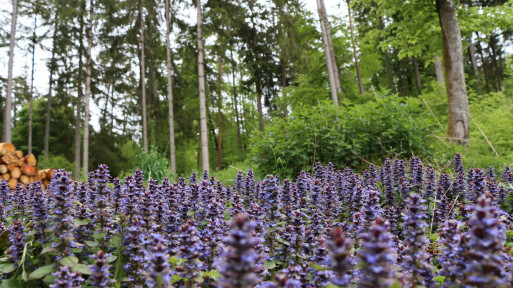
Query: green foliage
point(348, 136)
point(154, 164)
point(54, 162)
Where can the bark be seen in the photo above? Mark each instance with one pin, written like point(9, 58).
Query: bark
point(202, 97)
point(235, 105)
point(220, 115)
point(89, 64)
point(483, 65)
point(8, 99)
point(327, 51)
point(439, 71)
point(458, 126)
point(492, 40)
point(355, 53)
point(472, 55)
point(34, 40)
point(259, 104)
point(80, 95)
point(172, 149)
point(417, 74)
point(143, 80)
point(386, 57)
point(50, 87)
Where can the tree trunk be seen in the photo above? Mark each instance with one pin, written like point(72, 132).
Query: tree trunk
point(235, 105)
point(172, 149)
point(80, 95)
point(492, 40)
point(327, 51)
point(89, 64)
point(353, 44)
point(202, 97)
point(8, 99)
point(417, 74)
point(458, 126)
point(439, 71)
point(386, 57)
point(472, 54)
point(50, 87)
point(483, 65)
point(143, 80)
point(31, 97)
point(259, 104)
point(220, 115)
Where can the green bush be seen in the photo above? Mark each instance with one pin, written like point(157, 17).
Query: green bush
point(347, 136)
point(154, 165)
point(54, 162)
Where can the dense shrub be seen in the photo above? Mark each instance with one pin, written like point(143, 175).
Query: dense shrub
point(343, 135)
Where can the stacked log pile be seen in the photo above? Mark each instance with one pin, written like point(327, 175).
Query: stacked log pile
point(16, 167)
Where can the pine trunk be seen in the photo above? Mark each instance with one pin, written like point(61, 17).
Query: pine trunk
point(50, 87)
point(327, 50)
point(439, 70)
point(458, 126)
point(202, 96)
point(143, 80)
point(220, 115)
point(417, 74)
point(259, 104)
point(172, 148)
point(89, 64)
point(8, 100)
point(31, 97)
point(235, 105)
point(355, 53)
point(80, 95)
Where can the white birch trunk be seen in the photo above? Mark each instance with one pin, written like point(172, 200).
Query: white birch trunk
point(202, 97)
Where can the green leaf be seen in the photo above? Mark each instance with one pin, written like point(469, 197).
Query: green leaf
point(81, 222)
point(24, 276)
point(49, 279)
point(99, 236)
point(270, 265)
point(69, 261)
point(82, 269)
point(8, 268)
point(112, 258)
point(318, 267)
point(47, 249)
point(12, 283)
point(283, 241)
point(41, 272)
point(214, 274)
point(91, 243)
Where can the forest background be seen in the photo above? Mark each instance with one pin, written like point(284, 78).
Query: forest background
point(271, 103)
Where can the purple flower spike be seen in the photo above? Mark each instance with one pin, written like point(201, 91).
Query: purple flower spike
point(100, 277)
point(159, 274)
point(66, 279)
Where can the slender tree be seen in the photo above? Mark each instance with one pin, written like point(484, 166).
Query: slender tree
point(8, 98)
point(53, 67)
point(31, 96)
point(172, 148)
point(328, 51)
point(220, 114)
point(458, 126)
point(202, 97)
point(235, 104)
point(417, 74)
point(80, 93)
point(353, 44)
point(143, 76)
point(89, 64)
point(439, 71)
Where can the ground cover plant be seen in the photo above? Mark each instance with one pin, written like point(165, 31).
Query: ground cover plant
point(399, 225)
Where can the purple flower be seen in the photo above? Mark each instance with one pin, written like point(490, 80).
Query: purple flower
point(377, 257)
point(39, 211)
point(159, 274)
point(100, 277)
point(340, 257)
point(66, 279)
point(60, 188)
point(17, 241)
point(451, 253)
point(239, 265)
point(189, 251)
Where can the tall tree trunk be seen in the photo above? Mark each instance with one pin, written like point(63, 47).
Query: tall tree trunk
point(472, 55)
point(143, 80)
point(493, 55)
point(458, 126)
point(386, 57)
point(89, 64)
point(220, 115)
point(353, 44)
point(80, 95)
point(31, 97)
point(235, 105)
point(202, 96)
point(50, 86)
point(439, 71)
point(259, 104)
point(483, 65)
point(172, 149)
point(417, 74)
point(333, 79)
point(8, 99)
